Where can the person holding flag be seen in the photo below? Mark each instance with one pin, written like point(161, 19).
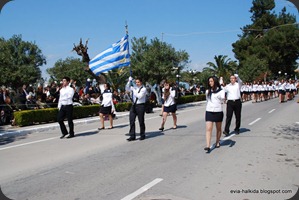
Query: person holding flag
point(138, 107)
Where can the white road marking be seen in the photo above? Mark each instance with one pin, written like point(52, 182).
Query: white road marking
point(19, 145)
point(297, 122)
point(271, 111)
point(142, 189)
point(44, 140)
point(254, 121)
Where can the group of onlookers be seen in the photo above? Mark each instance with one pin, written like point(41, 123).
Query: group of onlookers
point(30, 97)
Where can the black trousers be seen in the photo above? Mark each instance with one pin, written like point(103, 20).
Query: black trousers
point(233, 106)
point(66, 112)
point(137, 111)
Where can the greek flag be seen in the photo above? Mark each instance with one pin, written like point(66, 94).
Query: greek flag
point(116, 56)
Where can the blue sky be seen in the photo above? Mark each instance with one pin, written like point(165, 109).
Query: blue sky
point(201, 28)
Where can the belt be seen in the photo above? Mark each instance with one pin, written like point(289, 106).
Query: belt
point(67, 105)
point(234, 100)
point(140, 104)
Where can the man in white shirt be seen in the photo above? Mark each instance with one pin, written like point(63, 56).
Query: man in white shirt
point(234, 103)
point(65, 107)
point(138, 107)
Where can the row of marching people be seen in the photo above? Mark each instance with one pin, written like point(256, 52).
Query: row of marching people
point(263, 91)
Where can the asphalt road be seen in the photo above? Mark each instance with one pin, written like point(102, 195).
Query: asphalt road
point(260, 163)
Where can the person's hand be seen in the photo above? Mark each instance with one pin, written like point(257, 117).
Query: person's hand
point(130, 78)
point(221, 80)
point(236, 75)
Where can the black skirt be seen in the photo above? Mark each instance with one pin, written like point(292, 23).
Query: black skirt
point(106, 110)
point(170, 109)
point(214, 116)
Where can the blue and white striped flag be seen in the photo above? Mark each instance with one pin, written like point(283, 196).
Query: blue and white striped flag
point(116, 56)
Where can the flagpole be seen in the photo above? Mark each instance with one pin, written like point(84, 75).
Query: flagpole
point(127, 33)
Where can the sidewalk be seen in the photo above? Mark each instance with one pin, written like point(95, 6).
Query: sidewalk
point(10, 131)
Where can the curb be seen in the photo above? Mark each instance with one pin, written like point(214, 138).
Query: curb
point(10, 131)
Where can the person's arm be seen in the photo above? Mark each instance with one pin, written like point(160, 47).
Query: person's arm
point(129, 85)
point(140, 94)
point(59, 101)
point(240, 82)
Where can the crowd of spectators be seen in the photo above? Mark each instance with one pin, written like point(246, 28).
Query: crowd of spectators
point(30, 97)
point(39, 97)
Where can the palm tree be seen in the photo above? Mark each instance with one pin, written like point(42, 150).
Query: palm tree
point(117, 78)
point(222, 68)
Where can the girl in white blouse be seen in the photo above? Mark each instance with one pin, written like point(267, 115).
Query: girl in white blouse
point(169, 105)
point(214, 111)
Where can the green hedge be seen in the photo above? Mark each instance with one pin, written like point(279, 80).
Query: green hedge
point(191, 98)
point(29, 117)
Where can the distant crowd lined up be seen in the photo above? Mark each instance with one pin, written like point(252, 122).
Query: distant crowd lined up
point(259, 91)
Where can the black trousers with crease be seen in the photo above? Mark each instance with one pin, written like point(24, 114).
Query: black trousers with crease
point(233, 106)
point(137, 110)
point(66, 111)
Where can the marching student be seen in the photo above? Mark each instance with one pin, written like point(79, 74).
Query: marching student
point(65, 107)
point(138, 107)
point(281, 91)
point(107, 106)
point(169, 95)
point(234, 103)
point(215, 96)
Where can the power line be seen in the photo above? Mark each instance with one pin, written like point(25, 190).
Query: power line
point(227, 31)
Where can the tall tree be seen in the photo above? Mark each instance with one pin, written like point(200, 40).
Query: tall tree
point(271, 41)
point(222, 67)
point(20, 62)
point(71, 67)
point(156, 60)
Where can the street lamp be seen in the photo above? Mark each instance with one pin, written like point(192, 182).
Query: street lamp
point(279, 72)
point(178, 74)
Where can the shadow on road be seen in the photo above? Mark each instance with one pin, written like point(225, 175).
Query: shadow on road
point(9, 138)
point(289, 132)
point(244, 130)
point(86, 133)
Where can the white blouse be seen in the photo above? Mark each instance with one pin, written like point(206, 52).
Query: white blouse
point(214, 104)
point(171, 98)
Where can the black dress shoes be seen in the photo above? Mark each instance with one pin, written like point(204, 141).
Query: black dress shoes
point(237, 132)
point(131, 139)
point(142, 137)
point(61, 137)
point(70, 136)
point(207, 149)
point(225, 133)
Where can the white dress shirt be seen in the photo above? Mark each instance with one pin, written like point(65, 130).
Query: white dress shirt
point(233, 90)
point(66, 96)
point(137, 93)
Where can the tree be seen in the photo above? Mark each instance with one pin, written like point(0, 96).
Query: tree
point(117, 78)
point(222, 67)
point(81, 50)
point(71, 67)
point(271, 41)
point(155, 61)
point(19, 62)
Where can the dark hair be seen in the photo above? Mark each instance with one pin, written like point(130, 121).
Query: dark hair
point(139, 78)
point(215, 88)
point(108, 86)
point(67, 78)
